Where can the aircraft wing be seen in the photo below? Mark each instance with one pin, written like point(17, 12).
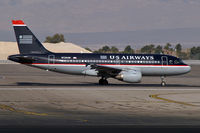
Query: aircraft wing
point(106, 70)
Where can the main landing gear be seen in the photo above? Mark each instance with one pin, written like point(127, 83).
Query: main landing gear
point(163, 83)
point(103, 81)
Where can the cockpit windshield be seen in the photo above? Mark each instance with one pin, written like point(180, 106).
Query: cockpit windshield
point(178, 61)
point(181, 61)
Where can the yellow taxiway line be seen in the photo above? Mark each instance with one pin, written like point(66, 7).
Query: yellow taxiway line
point(9, 108)
point(157, 96)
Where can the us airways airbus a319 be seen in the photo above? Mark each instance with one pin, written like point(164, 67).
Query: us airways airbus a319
point(125, 67)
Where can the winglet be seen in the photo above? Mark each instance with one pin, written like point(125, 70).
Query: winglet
point(18, 23)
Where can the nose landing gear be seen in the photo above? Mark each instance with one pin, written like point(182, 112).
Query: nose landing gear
point(103, 81)
point(163, 83)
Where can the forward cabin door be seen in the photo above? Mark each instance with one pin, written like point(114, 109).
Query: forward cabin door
point(164, 60)
point(117, 61)
point(51, 61)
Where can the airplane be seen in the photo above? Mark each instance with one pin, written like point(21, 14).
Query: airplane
point(124, 67)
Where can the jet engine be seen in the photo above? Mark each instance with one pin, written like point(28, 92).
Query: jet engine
point(131, 76)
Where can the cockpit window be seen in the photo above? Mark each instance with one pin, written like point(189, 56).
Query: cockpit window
point(181, 61)
point(170, 61)
point(178, 61)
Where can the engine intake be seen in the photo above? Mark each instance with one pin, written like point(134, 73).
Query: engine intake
point(130, 76)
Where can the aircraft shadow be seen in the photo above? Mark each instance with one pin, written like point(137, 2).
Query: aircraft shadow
point(89, 84)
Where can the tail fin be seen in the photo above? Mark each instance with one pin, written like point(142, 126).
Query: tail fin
point(26, 40)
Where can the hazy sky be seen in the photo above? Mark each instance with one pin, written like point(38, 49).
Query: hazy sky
point(100, 15)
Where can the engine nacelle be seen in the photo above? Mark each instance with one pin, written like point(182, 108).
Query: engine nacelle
point(131, 76)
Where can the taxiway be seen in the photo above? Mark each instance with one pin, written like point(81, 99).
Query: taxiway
point(31, 97)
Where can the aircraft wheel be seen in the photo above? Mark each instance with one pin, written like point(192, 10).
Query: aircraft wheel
point(163, 83)
point(103, 82)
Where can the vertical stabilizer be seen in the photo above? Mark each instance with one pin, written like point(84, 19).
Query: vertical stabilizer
point(26, 40)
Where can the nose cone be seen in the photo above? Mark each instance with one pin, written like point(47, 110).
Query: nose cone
point(187, 69)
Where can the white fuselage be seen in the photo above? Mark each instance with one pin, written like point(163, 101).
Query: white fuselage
point(146, 70)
